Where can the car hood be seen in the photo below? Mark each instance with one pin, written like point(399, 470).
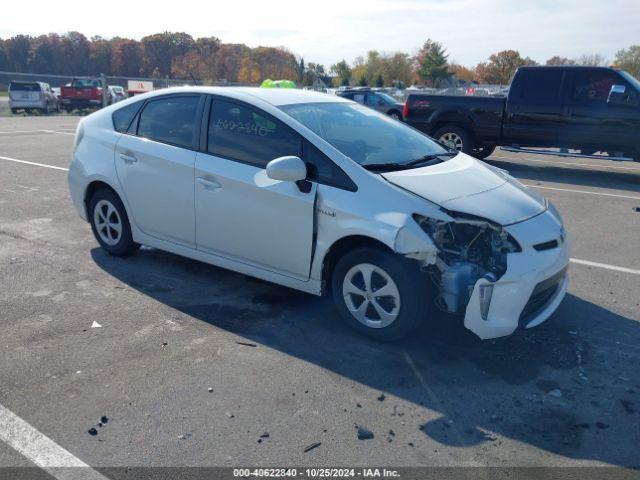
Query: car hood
point(464, 184)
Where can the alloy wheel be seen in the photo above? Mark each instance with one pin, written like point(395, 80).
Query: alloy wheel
point(107, 222)
point(452, 140)
point(371, 295)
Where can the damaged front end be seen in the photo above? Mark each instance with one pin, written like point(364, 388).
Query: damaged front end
point(470, 248)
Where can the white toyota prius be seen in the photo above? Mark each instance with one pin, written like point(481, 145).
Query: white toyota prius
point(321, 194)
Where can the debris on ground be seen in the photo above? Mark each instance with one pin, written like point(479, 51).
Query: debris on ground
point(92, 431)
point(364, 433)
point(555, 393)
point(265, 435)
point(229, 414)
point(381, 397)
point(312, 446)
point(103, 421)
point(95, 325)
point(210, 389)
point(184, 436)
point(247, 344)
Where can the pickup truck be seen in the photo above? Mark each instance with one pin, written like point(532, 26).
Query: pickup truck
point(81, 94)
point(591, 109)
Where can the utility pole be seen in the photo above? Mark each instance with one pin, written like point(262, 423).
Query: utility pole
point(103, 80)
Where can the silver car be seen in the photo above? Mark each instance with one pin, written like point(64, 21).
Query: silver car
point(317, 193)
point(30, 96)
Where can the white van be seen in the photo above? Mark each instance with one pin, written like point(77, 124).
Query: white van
point(29, 96)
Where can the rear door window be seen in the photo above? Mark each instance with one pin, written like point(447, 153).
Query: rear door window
point(540, 86)
point(593, 87)
point(170, 120)
point(239, 132)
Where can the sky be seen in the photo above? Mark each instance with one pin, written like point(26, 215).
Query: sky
point(327, 31)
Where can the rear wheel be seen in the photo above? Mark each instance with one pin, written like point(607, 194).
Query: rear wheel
point(110, 224)
point(395, 114)
point(14, 110)
point(379, 294)
point(455, 137)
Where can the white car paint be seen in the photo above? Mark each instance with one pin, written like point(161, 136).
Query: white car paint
point(233, 215)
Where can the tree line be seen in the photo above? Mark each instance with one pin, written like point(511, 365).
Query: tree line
point(208, 60)
point(432, 67)
point(162, 55)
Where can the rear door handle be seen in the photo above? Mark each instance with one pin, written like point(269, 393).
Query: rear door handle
point(208, 184)
point(128, 158)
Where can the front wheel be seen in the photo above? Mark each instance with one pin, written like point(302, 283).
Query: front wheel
point(110, 224)
point(379, 294)
point(484, 151)
point(455, 137)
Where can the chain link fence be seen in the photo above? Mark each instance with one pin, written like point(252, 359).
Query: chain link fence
point(61, 80)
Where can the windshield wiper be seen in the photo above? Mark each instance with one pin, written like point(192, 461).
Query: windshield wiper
point(381, 167)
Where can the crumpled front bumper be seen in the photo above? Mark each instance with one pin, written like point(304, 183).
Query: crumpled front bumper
point(533, 286)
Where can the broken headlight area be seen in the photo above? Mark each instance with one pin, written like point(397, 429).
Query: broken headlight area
point(469, 248)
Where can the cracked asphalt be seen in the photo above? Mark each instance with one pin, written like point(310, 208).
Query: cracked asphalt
point(193, 364)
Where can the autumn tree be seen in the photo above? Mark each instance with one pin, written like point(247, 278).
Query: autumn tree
point(501, 67)
point(591, 60)
point(557, 60)
point(462, 72)
point(160, 49)
point(629, 59)
point(342, 71)
point(126, 57)
point(432, 63)
point(17, 50)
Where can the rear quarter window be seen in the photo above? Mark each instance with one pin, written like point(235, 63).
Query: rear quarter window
point(123, 116)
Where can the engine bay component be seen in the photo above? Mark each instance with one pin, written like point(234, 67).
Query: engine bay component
point(469, 248)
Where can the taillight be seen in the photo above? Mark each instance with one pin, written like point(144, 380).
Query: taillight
point(405, 109)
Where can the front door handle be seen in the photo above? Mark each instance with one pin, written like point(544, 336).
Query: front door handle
point(128, 158)
point(208, 184)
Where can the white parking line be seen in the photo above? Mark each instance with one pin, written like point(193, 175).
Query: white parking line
point(10, 132)
point(606, 266)
point(43, 451)
point(584, 191)
point(59, 133)
point(573, 164)
point(9, 159)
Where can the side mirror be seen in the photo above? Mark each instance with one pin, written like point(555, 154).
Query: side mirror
point(287, 169)
point(617, 96)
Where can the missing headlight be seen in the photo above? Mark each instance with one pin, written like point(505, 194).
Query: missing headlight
point(469, 248)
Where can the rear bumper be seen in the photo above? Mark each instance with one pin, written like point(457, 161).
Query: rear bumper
point(525, 296)
point(79, 103)
point(26, 103)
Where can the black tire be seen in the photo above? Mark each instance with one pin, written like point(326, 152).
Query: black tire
point(484, 151)
point(125, 244)
point(395, 114)
point(412, 287)
point(466, 141)
point(14, 111)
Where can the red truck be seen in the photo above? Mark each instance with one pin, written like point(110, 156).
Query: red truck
point(81, 94)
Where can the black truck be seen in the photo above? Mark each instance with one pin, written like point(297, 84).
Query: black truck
point(590, 109)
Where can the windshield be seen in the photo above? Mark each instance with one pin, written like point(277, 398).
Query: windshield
point(387, 97)
point(85, 83)
point(631, 79)
point(364, 135)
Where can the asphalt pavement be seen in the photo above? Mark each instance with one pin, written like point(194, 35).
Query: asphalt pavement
point(194, 365)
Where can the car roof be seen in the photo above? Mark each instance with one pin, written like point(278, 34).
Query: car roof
point(274, 96)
